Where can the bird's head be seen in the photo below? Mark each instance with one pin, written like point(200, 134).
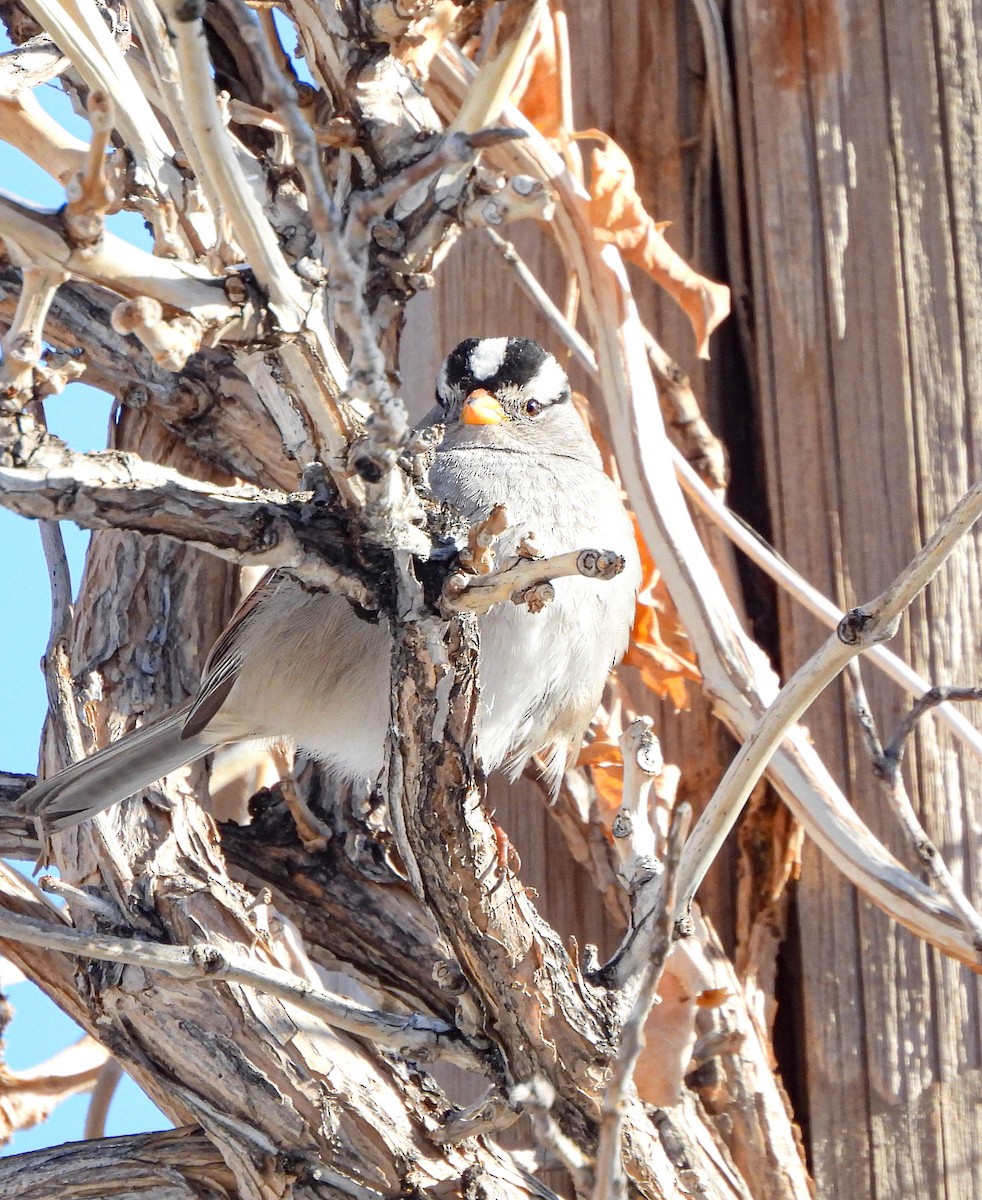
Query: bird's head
point(509, 393)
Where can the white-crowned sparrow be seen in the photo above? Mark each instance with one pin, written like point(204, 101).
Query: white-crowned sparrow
point(303, 665)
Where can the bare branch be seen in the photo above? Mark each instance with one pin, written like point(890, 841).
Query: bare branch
point(57, 658)
point(413, 1036)
point(22, 343)
point(241, 524)
point(751, 543)
point(102, 1095)
point(537, 1098)
point(887, 764)
point(179, 1163)
point(609, 1183)
point(288, 297)
point(117, 265)
point(90, 193)
point(526, 581)
point(859, 629)
point(81, 33)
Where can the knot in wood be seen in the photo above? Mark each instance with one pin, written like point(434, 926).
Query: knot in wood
point(536, 597)
point(623, 825)
point(852, 628)
point(208, 959)
point(599, 564)
point(448, 976)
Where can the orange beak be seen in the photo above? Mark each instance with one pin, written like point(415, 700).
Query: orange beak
point(481, 408)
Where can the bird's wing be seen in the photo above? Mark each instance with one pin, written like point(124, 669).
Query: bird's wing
point(224, 662)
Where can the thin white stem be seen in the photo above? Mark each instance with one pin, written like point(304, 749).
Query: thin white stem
point(287, 295)
point(524, 581)
point(81, 33)
point(412, 1035)
point(887, 765)
point(654, 945)
point(117, 265)
point(860, 629)
point(812, 600)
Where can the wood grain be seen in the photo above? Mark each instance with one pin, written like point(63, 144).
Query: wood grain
point(858, 133)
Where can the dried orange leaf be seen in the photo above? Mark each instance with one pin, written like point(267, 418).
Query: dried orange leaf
point(599, 752)
point(669, 1036)
point(713, 997)
point(609, 782)
point(659, 647)
point(538, 92)
point(618, 216)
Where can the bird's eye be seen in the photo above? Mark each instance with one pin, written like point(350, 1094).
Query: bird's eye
point(533, 407)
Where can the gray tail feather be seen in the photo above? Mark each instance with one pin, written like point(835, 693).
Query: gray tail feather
point(121, 769)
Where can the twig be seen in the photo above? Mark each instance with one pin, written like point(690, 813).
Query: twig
point(721, 99)
point(526, 581)
point(57, 659)
point(282, 96)
point(90, 193)
point(338, 132)
point(478, 556)
point(78, 898)
point(102, 1094)
point(411, 1035)
point(287, 296)
point(536, 1097)
point(201, 213)
point(700, 446)
point(23, 342)
point(117, 265)
point(887, 764)
point(935, 696)
point(609, 1181)
point(634, 835)
point(347, 265)
point(859, 629)
point(812, 600)
point(110, 490)
point(85, 38)
point(30, 1095)
point(549, 309)
point(455, 149)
